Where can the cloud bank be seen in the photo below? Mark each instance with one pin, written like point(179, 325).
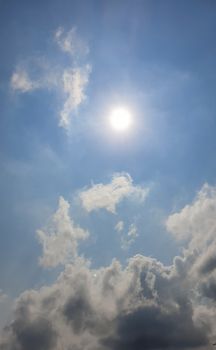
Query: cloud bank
point(142, 305)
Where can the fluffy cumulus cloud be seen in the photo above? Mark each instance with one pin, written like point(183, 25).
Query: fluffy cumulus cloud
point(69, 81)
point(142, 305)
point(60, 237)
point(108, 196)
point(196, 222)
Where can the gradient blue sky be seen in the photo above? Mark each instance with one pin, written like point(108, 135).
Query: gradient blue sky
point(157, 58)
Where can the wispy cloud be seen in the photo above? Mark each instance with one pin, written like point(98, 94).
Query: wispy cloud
point(21, 81)
point(69, 81)
point(128, 238)
point(60, 238)
point(75, 81)
point(119, 226)
point(109, 195)
point(71, 43)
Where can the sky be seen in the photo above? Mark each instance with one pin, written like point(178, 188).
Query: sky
point(108, 230)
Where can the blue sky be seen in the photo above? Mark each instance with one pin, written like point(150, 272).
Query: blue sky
point(64, 67)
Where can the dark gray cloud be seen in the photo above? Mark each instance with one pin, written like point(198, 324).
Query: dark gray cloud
point(35, 335)
point(208, 289)
point(208, 265)
point(152, 328)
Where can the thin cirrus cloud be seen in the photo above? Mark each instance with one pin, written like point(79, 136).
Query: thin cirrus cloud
point(108, 196)
point(70, 81)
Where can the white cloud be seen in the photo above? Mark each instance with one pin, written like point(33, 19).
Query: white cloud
point(70, 81)
point(132, 234)
point(132, 231)
point(116, 307)
point(109, 308)
point(108, 196)
point(75, 81)
point(60, 238)
point(21, 81)
point(119, 226)
point(196, 222)
point(71, 43)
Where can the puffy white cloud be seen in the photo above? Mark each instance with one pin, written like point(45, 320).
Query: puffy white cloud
point(60, 238)
point(108, 196)
point(75, 81)
point(196, 222)
point(144, 305)
point(21, 81)
point(71, 43)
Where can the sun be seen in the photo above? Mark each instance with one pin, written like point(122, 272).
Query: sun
point(120, 119)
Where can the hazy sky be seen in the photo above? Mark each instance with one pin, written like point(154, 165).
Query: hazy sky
point(108, 233)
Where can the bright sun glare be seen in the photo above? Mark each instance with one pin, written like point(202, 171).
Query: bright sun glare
point(120, 119)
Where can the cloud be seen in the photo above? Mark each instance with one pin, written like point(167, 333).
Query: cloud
point(3, 296)
point(75, 81)
point(141, 305)
point(129, 239)
point(21, 81)
point(70, 81)
point(6, 304)
point(71, 43)
point(108, 196)
point(60, 238)
point(119, 226)
point(196, 222)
